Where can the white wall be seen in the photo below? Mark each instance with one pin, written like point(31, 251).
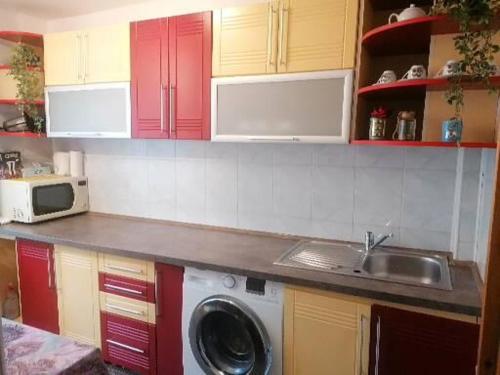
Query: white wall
point(142, 11)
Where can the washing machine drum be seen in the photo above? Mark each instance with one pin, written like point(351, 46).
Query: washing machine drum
point(228, 338)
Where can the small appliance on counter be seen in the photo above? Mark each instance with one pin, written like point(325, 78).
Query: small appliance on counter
point(41, 198)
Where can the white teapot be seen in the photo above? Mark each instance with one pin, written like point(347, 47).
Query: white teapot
point(407, 14)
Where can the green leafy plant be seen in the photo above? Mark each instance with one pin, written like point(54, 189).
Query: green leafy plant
point(26, 68)
point(478, 24)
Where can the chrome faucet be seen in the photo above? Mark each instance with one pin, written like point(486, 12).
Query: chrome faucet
point(371, 244)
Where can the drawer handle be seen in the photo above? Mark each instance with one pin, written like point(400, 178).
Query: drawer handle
point(124, 309)
point(131, 348)
point(125, 269)
point(121, 289)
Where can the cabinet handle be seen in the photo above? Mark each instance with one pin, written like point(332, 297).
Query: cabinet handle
point(79, 38)
point(123, 346)
point(157, 294)
point(122, 289)
point(361, 345)
point(124, 269)
point(124, 309)
point(272, 12)
point(269, 139)
point(49, 269)
point(172, 109)
point(162, 108)
point(283, 12)
point(86, 57)
point(377, 347)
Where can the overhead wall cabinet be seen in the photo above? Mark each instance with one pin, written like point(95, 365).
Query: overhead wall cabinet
point(285, 36)
point(37, 285)
point(171, 71)
point(78, 295)
point(88, 56)
point(300, 107)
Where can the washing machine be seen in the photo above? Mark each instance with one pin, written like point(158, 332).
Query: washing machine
point(231, 324)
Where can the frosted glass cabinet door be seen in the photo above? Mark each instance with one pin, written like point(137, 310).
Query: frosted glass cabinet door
point(89, 111)
point(303, 107)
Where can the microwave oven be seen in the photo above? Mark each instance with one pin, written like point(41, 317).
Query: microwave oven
point(35, 199)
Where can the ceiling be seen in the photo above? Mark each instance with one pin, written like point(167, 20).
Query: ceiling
point(50, 9)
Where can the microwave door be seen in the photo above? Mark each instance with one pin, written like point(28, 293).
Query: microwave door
point(50, 199)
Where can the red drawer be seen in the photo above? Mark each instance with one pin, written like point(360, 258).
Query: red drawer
point(125, 287)
point(129, 343)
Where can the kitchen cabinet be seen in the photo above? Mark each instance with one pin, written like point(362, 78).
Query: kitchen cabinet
point(325, 334)
point(37, 284)
point(410, 343)
point(171, 72)
point(169, 281)
point(78, 295)
point(285, 36)
point(97, 55)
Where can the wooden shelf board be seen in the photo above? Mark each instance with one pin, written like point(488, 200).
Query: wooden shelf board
point(416, 88)
point(32, 39)
point(412, 36)
point(22, 134)
point(389, 143)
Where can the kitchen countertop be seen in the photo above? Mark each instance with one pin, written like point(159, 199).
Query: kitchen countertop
point(240, 252)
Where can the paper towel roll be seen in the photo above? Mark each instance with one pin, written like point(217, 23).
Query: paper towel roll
point(76, 163)
point(61, 163)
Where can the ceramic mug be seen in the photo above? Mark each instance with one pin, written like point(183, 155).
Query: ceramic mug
point(451, 68)
point(407, 14)
point(415, 72)
point(388, 76)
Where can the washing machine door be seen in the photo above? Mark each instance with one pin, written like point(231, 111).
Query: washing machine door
point(228, 338)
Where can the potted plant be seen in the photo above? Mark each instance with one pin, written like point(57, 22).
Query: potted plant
point(26, 68)
point(478, 24)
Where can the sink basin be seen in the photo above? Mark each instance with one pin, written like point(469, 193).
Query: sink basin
point(410, 268)
point(384, 263)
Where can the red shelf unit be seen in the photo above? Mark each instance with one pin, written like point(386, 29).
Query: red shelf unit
point(32, 39)
point(412, 36)
point(22, 135)
point(389, 143)
point(15, 101)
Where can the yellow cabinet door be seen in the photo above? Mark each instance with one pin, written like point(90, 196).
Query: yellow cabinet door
point(317, 35)
point(245, 40)
point(63, 59)
point(325, 335)
point(78, 295)
point(107, 54)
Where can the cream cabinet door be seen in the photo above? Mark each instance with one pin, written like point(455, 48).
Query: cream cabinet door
point(325, 335)
point(245, 40)
point(107, 54)
point(317, 35)
point(63, 58)
point(78, 295)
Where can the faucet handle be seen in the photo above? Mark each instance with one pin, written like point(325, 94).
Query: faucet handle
point(369, 238)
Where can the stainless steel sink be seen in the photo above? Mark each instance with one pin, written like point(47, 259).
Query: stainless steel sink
point(389, 264)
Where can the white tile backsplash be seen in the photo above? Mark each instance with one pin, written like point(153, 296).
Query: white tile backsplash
point(325, 191)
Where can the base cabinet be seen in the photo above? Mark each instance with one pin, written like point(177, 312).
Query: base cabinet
point(324, 334)
point(78, 295)
point(409, 343)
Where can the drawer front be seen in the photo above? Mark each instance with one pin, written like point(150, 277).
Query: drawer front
point(128, 308)
point(127, 267)
point(129, 343)
point(127, 287)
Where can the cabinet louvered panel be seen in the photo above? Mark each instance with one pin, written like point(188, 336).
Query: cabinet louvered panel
point(317, 35)
point(129, 343)
point(245, 40)
point(37, 285)
point(414, 344)
point(190, 50)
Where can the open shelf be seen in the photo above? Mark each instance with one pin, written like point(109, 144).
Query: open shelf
point(22, 134)
point(395, 4)
point(416, 88)
point(389, 143)
point(32, 39)
point(412, 36)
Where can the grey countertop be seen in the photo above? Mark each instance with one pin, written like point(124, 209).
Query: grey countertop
point(240, 252)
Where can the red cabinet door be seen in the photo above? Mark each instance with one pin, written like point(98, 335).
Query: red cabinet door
point(409, 343)
point(169, 281)
point(149, 59)
point(129, 343)
point(190, 46)
point(37, 285)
